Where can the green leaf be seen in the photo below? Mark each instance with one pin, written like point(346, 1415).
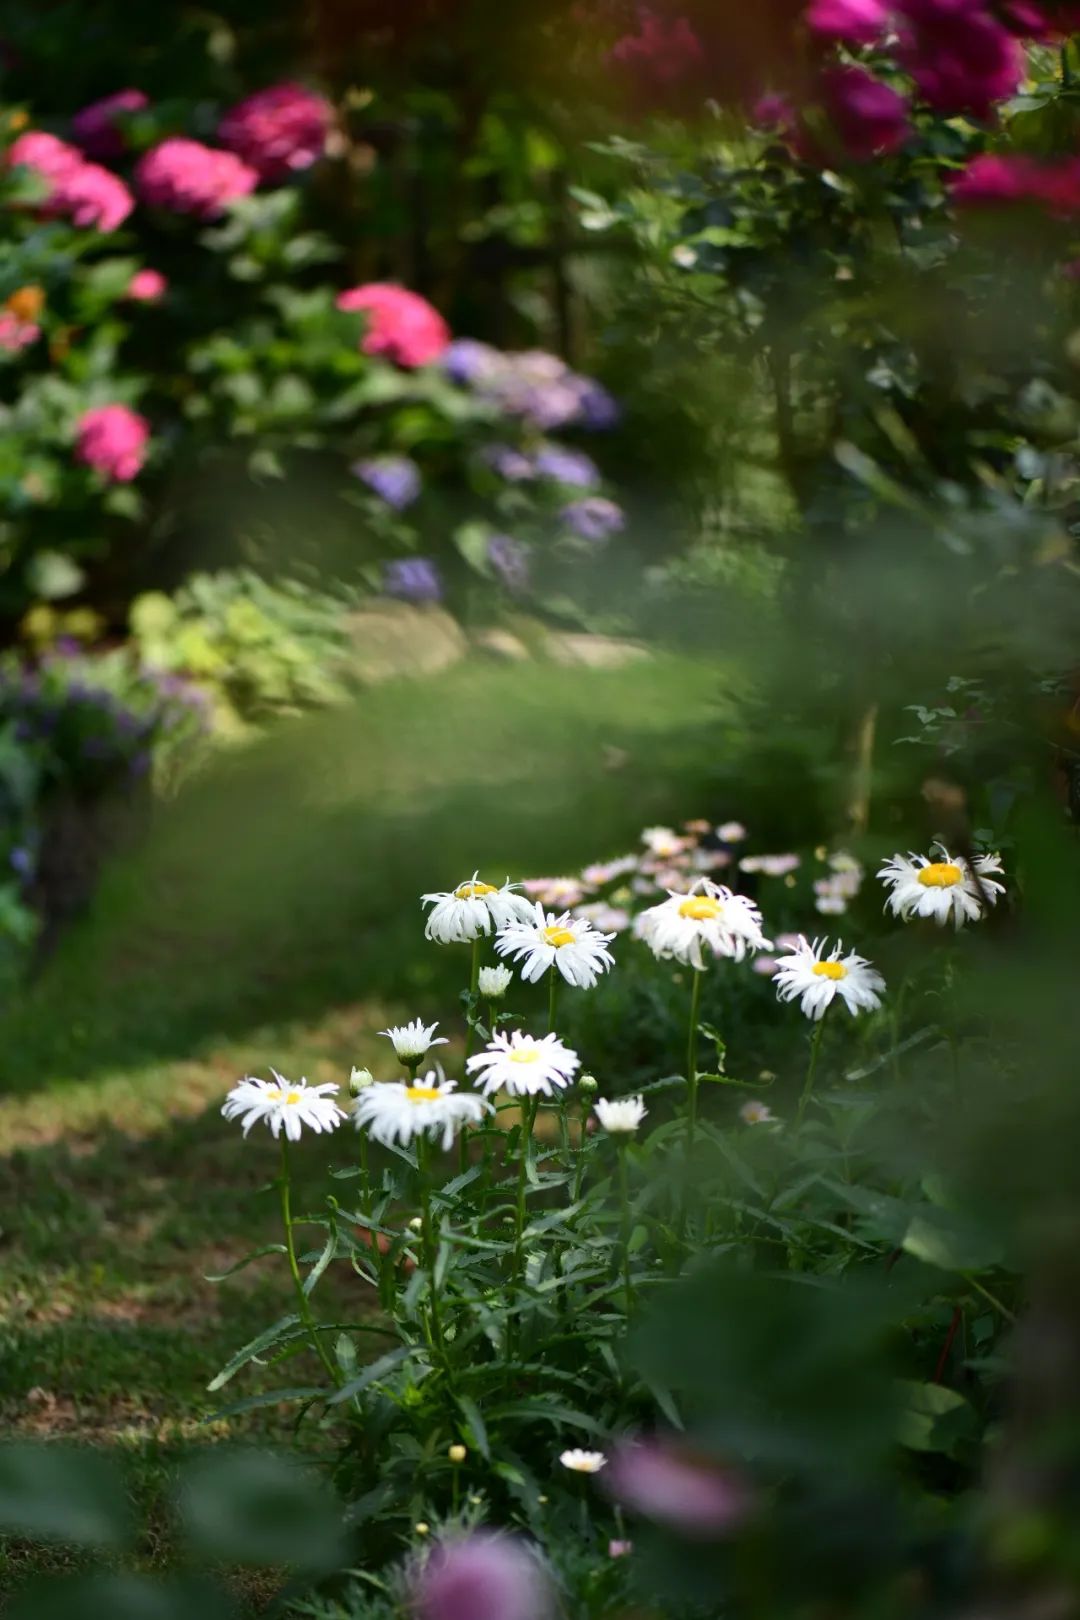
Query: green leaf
point(371, 1374)
point(263, 1341)
point(551, 1412)
point(321, 1263)
point(943, 1238)
point(62, 1493)
point(477, 1431)
point(934, 1418)
point(269, 1397)
point(256, 1254)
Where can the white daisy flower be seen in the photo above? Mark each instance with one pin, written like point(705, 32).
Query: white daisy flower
point(730, 832)
point(622, 1116)
point(755, 1112)
point(711, 915)
point(412, 1040)
point(395, 1112)
point(572, 945)
point(280, 1102)
point(582, 1462)
point(524, 1066)
point(493, 982)
point(472, 909)
point(949, 888)
point(816, 978)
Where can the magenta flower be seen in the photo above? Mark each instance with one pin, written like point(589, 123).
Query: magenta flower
point(662, 52)
point(847, 22)
point(278, 130)
point(147, 287)
point(112, 439)
point(481, 1577)
point(868, 117)
point(961, 58)
point(98, 128)
point(401, 325)
point(186, 177)
point(47, 155)
point(995, 180)
point(667, 1481)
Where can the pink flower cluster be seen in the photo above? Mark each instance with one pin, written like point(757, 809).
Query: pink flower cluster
point(278, 130)
point(147, 287)
point(996, 180)
point(96, 127)
point(187, 177)
point(962, 59)
point(16, 333)
point(85, 193)
point(112, 439)
point(662, 52)
point(401, 326)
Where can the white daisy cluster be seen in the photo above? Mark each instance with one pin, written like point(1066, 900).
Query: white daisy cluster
point(946, 888)
point(472, 910)
point(394, 1112)
point(523, 1065)
point(834, 892)
point(570, 945)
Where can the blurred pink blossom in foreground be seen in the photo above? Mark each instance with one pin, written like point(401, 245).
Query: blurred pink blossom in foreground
point(401, 325)
point(112, 439)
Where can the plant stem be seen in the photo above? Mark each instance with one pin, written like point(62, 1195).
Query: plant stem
point(303, 1302)
point(528, 1116)
point(553, 985)
point(427, 1232)
point(691, 1062)
point(624, 1222)
point(811, 1069)
point(474, 980)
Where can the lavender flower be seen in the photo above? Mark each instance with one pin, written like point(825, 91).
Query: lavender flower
point(513, 465)
point(394, 479)
point(594, 518)
point(467, 361)
point(598, 410)
point(571, 467)
point(510, 560)
point(21, 861)
point(412, 579)
point(481, 1577)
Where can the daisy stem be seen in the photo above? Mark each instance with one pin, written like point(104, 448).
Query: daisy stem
point(691, 1061)
point(811, 1068)
point(553, 985)
point(624, 1222)
point(474, 980)
point(427, 1229)
point(302, 1300)
point(528, 1116)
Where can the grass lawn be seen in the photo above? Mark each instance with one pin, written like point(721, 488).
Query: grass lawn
point(273, 917)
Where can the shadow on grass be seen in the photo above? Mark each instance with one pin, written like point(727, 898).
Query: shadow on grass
point(286, 879)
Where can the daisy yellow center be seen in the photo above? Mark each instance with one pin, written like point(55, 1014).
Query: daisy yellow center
point(829, 970)
point(558, 937)
point(273, 1095)
point(700, 908)
point(421, 1094)
point(293, 1097)
point(473, 891)
point(527, 1054)
point(940, 875)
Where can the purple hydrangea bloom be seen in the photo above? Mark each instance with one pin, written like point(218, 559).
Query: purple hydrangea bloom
point(412, 579)
point(510, 560)
point(571, 467)
point(513, 465)
point(481, 1577)
point(21, 861)
point(468, 361)
point(599, 409)
point(394, 479)
point(594, 518)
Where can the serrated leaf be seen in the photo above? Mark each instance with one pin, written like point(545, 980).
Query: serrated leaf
point(270, 1397)
point(371, 1374)
point(261, 1342)
point(477, 1429)
point(256, 1254)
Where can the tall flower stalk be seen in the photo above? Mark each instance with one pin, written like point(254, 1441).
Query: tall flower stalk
point(302, 1300)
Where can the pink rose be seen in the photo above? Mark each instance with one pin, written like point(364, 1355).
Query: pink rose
point(147, 287)
point(278, 130)
point(400, 324)
point(848, 22)
point(961, 58)
point(112, 439)
point(186, 177)
point(96, 127)
point(662, 51)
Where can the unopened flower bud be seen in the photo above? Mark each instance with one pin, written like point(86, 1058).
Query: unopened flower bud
point(359, 1081)
point(457, 1454)
point(416, 1224)
point(493, 982)
point(422, 1529)
point(588, 1083)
